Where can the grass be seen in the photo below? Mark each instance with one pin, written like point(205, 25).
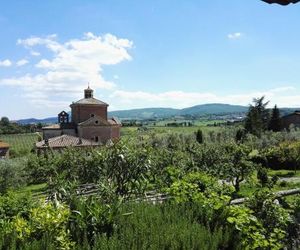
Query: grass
point(284, 173)
point(248, 189)
point(35, 190)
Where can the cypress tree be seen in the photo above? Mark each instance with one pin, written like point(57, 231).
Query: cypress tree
point(199, 136)
point(257, 119)
point(275, 121)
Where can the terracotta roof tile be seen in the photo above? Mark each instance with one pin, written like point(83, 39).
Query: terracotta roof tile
point(94, 121)
point(4, 144)
point(114, 121)
point(65, 141)
point(91, 101)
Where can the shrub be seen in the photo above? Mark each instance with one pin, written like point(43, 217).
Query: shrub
point(12, 174)
point(165, 226)
point(262, 176)
point(283, 156)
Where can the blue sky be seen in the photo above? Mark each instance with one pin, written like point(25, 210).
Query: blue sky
point(138, 53)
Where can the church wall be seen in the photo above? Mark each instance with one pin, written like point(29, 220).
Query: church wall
point(50, 133)
point(116, 132)
point(90, 132)
point(82, 113)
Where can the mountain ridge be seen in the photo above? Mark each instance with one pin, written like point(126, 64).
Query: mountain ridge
point(152, 113)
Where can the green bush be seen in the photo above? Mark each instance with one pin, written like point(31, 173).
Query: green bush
point(12, 174)
point(283, 156)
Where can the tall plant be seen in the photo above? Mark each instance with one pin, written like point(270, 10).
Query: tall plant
point(258, 117)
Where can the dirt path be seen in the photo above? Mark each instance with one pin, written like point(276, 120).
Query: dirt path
point(290, 179)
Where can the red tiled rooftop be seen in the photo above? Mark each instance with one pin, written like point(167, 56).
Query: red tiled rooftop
point(4, 144)
point(90, 101)
point(65, 141)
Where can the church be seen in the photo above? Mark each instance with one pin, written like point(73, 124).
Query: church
point(89, 125)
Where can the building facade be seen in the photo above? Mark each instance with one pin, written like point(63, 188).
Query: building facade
point(89, 120)
point(291, 120)
point(4, 150)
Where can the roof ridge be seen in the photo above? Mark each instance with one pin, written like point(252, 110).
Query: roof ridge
point(89, 101)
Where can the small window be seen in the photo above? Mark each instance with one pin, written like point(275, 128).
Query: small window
point(96, 122)
point(96, 138)
point(92, 115)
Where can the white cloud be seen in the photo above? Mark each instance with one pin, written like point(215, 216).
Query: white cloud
point(283, 89)
point(283, 96)
point(234, 36)
point(5, 63)
point(22, 62)
point(73, 64)
point(35, 53)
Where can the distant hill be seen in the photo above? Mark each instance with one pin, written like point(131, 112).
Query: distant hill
point(199, 110)
point(213, 108)
point(146, 113)
point(49, 120)
point(150, 113)
point(286, 111)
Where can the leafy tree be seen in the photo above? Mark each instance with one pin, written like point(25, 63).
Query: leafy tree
point(258, 117)
point(262, 176)
point(39, 125)
point(7, 127)
point(275, 122)
point(4, 121)
point(237, 166)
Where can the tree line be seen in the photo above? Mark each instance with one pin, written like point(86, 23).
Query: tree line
point(9, 127)
point(260, 118)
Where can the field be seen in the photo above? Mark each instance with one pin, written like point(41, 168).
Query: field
point(20, 143)
point(199, 122)
point(130, 131)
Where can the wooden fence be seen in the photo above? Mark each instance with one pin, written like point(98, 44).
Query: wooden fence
point(152, 196)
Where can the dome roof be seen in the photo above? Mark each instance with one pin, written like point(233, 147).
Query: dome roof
point(89, 101)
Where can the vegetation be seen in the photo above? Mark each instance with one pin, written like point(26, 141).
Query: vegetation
point(93, 198)
point(258, 117)
point(275, 122)
point(20, 144)
point(7, 127)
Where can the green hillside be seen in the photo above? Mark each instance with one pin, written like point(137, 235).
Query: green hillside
point(199, 110)
point(146, 113)
point(213, 108)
